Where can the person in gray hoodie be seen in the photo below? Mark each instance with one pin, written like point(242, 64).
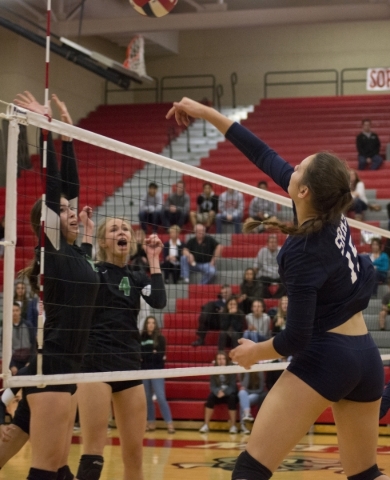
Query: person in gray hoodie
point(231, 210)
point(150, 208)
point(176, 208)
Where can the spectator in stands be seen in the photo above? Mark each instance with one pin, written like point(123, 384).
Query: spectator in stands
point(33, 311)
point(206, 207)
point(261, 209)
point(23, 340)
point(279, 320)
point(232, 324)
point(250, 289)
point(380, 261)
point(358, 192)
point(200, 255)
point(251, 392)
point(172, 252)
point(210, 316)
point(368, 147)
point(231, 210)
point(21, 297)
point(150, 208)
point(176, 207)
point(223, 390)
point(258, 323)
point(385, 308)
point(139, 260)
point(267, 269)
point(153, 346)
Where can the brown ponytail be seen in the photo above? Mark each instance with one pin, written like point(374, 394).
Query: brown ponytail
point(327, 177)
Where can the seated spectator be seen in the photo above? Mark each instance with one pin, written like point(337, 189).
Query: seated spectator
point(232, 324)
point(368, 146)
point(267, 269)
point(210, 316)
point(251, 392)
point(258, 322)
point(150, 208)
point(23, 340)
point(380, 260)
point(358, 192)
point(385, 308)
point(153, 348)
point(176, 207)
point(21, 298)
point(223, 389)
point(207, 207)
point(33, 312)
point(261, 209)
point(231, 210)
point(199, 255)
point(250, 289)
point(139, 260)
point(279, 320)
point(171, 254)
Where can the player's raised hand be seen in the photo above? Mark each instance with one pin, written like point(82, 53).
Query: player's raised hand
point(245, 354)
point(28, 101)
point(86, 219)
point(153, 246)
point(185, 109)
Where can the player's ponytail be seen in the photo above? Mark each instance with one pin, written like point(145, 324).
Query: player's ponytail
point(327, 177)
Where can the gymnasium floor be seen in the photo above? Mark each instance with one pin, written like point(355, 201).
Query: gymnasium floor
point(188, 455)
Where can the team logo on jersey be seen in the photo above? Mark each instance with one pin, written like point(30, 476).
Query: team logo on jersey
point(293, 463)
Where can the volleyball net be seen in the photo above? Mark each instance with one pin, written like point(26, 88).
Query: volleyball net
point(123, 181)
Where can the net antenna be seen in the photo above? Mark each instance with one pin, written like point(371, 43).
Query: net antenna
point(135, 53)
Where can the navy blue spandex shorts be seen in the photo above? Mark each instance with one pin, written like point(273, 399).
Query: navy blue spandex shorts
point(341, 367)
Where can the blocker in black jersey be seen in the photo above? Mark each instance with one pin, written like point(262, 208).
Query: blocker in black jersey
point(71, 281)
point(114, 341)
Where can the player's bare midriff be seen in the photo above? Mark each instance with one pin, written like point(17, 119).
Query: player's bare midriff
point(353, 326)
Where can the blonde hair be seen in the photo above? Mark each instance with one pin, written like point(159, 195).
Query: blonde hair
point(176, 228)
point(101, 236)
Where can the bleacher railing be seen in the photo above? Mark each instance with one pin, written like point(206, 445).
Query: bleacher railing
point(189, 82)
point(323, 77)
point(155, 90)
point(348, 71)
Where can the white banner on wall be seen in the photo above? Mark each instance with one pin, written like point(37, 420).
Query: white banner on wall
point(378, 79)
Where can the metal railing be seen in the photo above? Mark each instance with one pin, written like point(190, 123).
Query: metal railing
point(333, 81)
point(344, 80)
point(211, 85)
point(154, 89)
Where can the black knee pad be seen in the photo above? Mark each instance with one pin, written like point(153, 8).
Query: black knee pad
point(64, 473)
point(248, 468)
point(90, 467)
point(38, 474)
point(369, 474)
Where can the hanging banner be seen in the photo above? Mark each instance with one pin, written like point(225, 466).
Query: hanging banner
point(378, 79)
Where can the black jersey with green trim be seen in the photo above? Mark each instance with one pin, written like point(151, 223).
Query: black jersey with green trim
point(114, 341)
point(71, 282)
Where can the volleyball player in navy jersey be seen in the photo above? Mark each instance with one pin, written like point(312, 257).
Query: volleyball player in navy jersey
point(114, 345)
point(335, 361)
point(70, 289)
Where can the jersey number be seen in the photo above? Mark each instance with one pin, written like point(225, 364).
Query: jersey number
point(351, 264)
point(125, 286)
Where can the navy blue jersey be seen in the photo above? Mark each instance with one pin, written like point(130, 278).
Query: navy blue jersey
point(71, 283)
point(327, 281)
point(114, 340)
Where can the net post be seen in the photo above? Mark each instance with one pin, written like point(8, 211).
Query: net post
point(9, 244)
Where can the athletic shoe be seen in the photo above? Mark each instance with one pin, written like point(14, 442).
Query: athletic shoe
point(233, 429)
point(248, 418)
point(244, 430)
point(204, 429)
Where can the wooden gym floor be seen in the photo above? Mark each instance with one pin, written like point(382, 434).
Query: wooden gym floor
point(190, 455)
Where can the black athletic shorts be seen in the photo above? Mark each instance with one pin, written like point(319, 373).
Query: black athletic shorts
point(124, 385)
point(229, 400)
point(341, 367)
point(22, 416)
point(70, 388)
